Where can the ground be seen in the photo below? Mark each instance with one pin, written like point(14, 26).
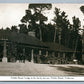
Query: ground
point(32, 69)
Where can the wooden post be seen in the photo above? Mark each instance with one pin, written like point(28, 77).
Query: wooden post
point(4, 59)
point(39, 52)
point(58, 54)
point(64, 60)
point(32, 56)
point(39, 60)
point(83, 57)
point(46, 53)
point(63, 55)
point(53, 54)
point(73, 57)
point(24, 55)
point(58, 57)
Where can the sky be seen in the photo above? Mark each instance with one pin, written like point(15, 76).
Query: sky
point(11, 14)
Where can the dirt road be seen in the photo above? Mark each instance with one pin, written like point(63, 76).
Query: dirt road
point(31, 69)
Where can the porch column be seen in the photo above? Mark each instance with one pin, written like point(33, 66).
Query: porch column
point(32, 56)
point(53, 54)
point(4, 59)
point(24, 55)
point(73, 56)
point(58, 54)
point(64, 60)
point(46, 53)
point(63, 55)
point(39, 60)
point(58, 58)
point(39, 52)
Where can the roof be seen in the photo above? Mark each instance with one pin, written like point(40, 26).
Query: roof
point(32, 41)
point(21, 38)
point(57, 47)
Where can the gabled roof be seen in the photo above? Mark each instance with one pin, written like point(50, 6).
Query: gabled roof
point(32, 41)
point(21, 38)
point(57, 47)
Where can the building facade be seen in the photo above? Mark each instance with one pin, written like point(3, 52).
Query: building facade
point(18, 47)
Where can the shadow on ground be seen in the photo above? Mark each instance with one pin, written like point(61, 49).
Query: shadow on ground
point(71, 70)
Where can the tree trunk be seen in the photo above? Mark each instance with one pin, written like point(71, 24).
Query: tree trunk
point(55, 35)
point(40, 34)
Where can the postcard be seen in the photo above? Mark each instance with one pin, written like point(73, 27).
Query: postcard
point(41, 42)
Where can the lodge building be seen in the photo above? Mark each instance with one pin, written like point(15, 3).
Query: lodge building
point(18, 47)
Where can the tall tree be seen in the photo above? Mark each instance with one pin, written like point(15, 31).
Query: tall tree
point(14, 29)
point(27, 18)
point(61, 25)
point(23, 29)
point(38, 14)
point(8, 29)
point(49, 34)
point(76, 38)
point(75, 31)
point(82, 9)
point(57, 11)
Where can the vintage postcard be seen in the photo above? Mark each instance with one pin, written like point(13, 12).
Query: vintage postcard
point(41, 42)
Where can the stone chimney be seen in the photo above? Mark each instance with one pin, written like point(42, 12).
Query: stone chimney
point(31, 33)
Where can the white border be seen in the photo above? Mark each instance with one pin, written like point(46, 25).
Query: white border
point(41, 78)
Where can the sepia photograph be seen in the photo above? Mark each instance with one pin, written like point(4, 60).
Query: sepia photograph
point(41, 39)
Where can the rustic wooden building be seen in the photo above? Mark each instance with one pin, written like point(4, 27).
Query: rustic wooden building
point(20, 47)
point(59, 54)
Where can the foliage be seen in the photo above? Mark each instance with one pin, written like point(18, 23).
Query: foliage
point(14, 29)
point(38, 16)
point(61, 25)
point(82, 9)
point(69, 33)
point(40, 7)
point(23, 29)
